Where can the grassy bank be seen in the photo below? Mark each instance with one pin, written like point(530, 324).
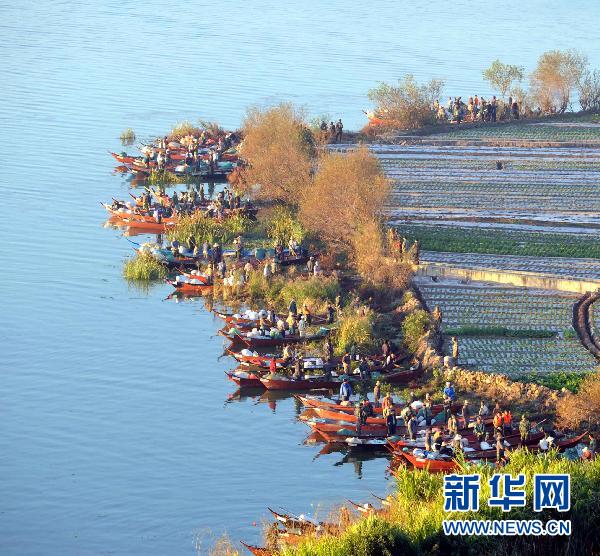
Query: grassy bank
point(413, 525)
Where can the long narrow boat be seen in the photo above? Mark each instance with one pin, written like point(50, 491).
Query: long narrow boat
point(237, 321)
point(254, 342)
point(316, 403)
point(188, 288)
point(287, 384)
point(450, 465)
point(246, 380)
point(300, 523)
point(257, 550)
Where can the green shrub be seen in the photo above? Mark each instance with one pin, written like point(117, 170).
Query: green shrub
point(556, 381)
point(144, 267)
point(314, 290)
point(414, 327)
point(283, 225)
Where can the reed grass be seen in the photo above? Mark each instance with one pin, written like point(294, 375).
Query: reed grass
point(127, 137)
point(355, 329)
point(414, 327)
point(164, 177)
point(144, 267)
point(201, 229)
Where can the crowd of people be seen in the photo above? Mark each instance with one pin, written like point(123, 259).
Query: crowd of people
point(442, 433)
point(332, 132)
point(476, 109)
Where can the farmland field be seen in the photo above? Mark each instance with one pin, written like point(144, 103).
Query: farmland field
point(484, 307)
point(538, 213)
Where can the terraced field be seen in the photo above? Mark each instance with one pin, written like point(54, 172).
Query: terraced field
point(490, 306)
point(483, 306)
point(583, 269)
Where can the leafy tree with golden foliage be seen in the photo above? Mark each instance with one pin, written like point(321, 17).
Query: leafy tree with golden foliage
point(407, 104)
point(583, 407)
point(557, 73)
point(348, 191)
point(277, 147)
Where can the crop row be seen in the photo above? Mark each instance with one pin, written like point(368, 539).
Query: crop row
point(513, 308)
point(461, 239)
point(533, 132)
point(518, 356)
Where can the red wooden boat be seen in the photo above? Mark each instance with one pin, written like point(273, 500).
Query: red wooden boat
point(262, 361)
point(313, 402)
point(186, 287)
point(250, 380)
point(431, 465)
point(306, 384)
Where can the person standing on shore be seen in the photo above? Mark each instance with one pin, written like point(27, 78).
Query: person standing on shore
point(339, 128)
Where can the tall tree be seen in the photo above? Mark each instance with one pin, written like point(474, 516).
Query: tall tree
point(557, 73)
point(502, 76)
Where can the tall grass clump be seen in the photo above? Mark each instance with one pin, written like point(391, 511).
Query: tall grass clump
point(144, 267)
point(127, 137)
point(314, 291)
point(283, 225)
point(182, 129)
point(164, 177)
point(201, 229)
point(355, 329)
point(414, 326)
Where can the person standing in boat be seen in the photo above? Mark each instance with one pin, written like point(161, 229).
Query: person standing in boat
point(346, 363)
point(412, 427)
point(345, 391)
point(524, 429)
point(428, 412)
point(428, 440)
point(302, 327)
point(452, 425)
point(391, 421)
point(499, 448)
point(465, 414)
point(479, 429)
point(377, 393)
point(358, 415)
point(272, 367)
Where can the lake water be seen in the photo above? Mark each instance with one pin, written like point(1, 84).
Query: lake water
point(116, 432)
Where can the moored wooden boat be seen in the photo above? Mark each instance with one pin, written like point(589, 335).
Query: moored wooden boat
point(187, 287)
point(257, 341)
point(251, 380)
